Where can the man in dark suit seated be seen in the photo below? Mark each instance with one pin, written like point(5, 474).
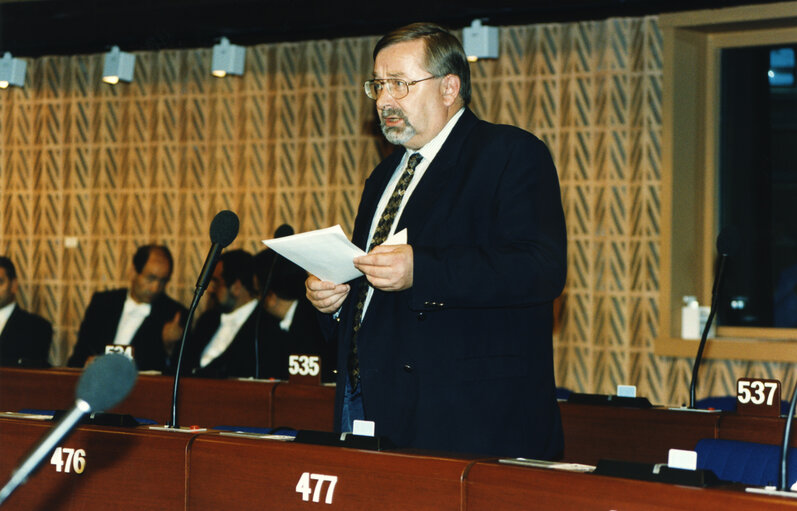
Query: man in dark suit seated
point(141, 316)
point(25, 337)
point(446, 342)
point(290, 324)
point(222, 343)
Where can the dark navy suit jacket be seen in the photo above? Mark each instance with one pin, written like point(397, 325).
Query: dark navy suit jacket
point(25, 340)
point(462, 361)
point(101, 320)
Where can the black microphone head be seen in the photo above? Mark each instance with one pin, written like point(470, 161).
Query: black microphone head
point(728, 241)
point(106, 381)
point(283, 230)
point(224, 228)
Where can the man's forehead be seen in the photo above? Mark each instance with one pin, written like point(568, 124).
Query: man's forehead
point(397, 60)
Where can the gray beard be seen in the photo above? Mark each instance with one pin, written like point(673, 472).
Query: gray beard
point(396, 135)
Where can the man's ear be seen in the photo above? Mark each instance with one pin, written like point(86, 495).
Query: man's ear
point(14, 287)
point(449, 86)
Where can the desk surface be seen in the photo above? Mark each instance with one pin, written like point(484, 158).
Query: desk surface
point(153, 470)
point(591, 432)
point(203, 402)
point(134, 469)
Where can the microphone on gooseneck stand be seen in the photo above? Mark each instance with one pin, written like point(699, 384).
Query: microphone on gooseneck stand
point(282, 231)
point(104, 383)
point(727, 245)
point(223, 230)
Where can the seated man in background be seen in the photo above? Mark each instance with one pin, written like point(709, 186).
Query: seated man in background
point(290, 325)
point(222, 342)
point(142, 316)
point(25, 337)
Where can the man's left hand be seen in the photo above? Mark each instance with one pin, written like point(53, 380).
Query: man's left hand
point(387, 267)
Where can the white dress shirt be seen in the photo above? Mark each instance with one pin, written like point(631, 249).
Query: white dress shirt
point(5, 313)
point(428, 151)
point(133, 314)
point(228, 329)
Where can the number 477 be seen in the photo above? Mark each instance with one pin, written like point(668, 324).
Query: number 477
point(305, 487)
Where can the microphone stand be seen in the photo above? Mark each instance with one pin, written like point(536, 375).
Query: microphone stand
point(194, 303)
point(704, 337)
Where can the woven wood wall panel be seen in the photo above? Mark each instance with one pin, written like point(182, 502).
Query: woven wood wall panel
point(292, 141)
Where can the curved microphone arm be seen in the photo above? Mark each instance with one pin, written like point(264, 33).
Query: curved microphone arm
point(194, 303)
point(704, 337)
point(784, 448)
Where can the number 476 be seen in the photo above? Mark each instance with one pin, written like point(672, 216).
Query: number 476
point(75, 460)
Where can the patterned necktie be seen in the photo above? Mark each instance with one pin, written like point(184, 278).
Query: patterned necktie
point(380, 235)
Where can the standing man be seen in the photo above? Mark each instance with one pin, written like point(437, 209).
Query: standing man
point(222, 343)
point(142, 316)
point(25, 337)
point(446, 343)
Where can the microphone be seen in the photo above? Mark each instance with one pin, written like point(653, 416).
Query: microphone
point(104, 383)
point(282, 231)
point(728, 243)
point(223, 230)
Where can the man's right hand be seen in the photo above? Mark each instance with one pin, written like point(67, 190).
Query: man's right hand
point(324, 295)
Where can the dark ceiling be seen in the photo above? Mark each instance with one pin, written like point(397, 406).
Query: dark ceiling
point(46, 27)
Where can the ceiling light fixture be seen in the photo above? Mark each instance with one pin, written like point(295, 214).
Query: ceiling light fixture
point(228, 59)
point(118, 66)
point(12, 71)
point(480, 41)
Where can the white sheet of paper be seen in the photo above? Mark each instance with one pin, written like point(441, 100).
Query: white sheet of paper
point(326, 253)
point(397, 238)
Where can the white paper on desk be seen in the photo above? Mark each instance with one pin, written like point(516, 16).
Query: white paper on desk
point(326, 253)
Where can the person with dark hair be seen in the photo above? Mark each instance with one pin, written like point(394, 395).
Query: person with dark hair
point(289, 325)
point(141, 316)
point(222, 343)
point(25, 337)
point(446, 342)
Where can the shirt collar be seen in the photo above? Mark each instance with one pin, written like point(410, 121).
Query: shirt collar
point(432, 147)
point(287, 321)
point(239, 315)
point(135, 308)
point(6, 311)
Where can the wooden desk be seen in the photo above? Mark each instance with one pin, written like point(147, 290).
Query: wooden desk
point(490, 486)
point(142, 469)
point(631, 434)
point(203, 402)
point(124, 469)
point(251, 474)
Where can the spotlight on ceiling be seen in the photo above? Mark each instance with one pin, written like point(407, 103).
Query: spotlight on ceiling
point(12, 71)
point(480, 42)
point(119, 66)
point(228, 59)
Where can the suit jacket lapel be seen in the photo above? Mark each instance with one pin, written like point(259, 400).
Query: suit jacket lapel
point(375, 187)
point(436, 176)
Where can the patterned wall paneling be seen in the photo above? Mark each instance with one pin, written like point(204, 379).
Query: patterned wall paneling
point(91, 171)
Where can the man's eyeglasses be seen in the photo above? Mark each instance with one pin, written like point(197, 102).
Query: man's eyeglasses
point(396, 88)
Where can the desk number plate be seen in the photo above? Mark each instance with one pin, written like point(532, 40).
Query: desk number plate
point(758, 397)
point(311, 486)
point(67, 460)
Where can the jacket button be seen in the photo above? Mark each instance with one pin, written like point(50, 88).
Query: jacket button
point(421, 316)
point(407, 368)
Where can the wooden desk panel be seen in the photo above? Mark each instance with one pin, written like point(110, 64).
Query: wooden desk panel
point(764, 430)
point(490, 486)
point(304, 406)
point(204, 402)
point(252, 474)
point(125, 469)
point(631, 434)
